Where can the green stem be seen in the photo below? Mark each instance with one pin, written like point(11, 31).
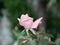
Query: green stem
point(27, 31)
point(33, 31)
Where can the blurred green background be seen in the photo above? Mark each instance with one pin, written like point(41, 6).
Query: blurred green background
point(49, 9)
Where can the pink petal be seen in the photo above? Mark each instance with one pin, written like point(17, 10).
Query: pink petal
point(24, 16)
point(37, 22)
point(28, 24)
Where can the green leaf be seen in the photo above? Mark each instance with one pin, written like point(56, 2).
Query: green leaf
point(33, 31)
point(27, 31)
point(23, 32)
point(32, 42)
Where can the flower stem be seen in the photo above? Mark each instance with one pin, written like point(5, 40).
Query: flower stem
point(27, 31)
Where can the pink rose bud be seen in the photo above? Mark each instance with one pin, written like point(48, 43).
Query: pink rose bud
point(27, 22)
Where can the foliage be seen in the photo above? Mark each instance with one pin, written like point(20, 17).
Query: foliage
point(57, 42)
point(32, 39)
